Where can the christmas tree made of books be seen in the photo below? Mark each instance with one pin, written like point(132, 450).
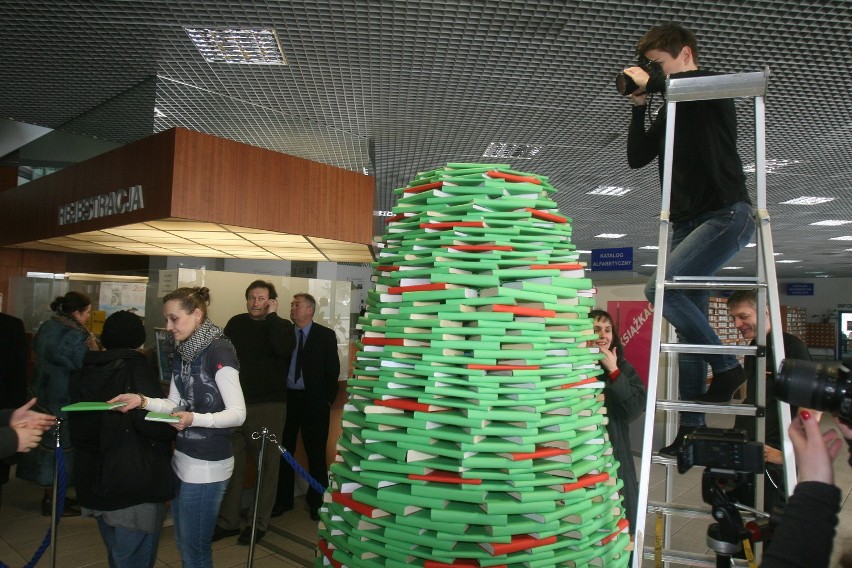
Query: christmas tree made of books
point(475, 431)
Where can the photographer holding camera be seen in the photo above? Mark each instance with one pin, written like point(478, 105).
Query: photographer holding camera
point(804, 537)
point(711, 213)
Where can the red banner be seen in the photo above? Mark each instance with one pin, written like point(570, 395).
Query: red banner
point(634, 321)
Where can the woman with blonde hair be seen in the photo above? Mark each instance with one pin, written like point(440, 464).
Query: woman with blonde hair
point(205, 396)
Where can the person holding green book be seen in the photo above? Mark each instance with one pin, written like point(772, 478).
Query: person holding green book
point(206, 396)
point(624, 398)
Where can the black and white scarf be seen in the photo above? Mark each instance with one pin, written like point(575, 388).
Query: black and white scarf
point(200, 339)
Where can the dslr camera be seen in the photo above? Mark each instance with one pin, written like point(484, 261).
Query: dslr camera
point(625, 85)
point(821, 386)
point(720, 449)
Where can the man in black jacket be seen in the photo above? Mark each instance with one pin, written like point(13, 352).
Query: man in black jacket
point(263, 342)
point(311, 388)
point(710, 211)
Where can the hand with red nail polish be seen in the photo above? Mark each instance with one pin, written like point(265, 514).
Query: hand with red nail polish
point(815, 451)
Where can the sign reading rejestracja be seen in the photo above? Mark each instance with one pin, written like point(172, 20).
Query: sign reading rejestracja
point(103, 205)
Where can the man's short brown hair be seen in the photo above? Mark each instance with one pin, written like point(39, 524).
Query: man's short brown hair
point(668, 37)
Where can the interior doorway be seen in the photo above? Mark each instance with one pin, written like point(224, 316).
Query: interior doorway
point(844, 330)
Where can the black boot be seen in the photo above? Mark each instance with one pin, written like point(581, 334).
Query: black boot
point(671, 449)
point(723, 386)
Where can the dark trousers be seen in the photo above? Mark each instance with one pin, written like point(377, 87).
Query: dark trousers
point(310, 417)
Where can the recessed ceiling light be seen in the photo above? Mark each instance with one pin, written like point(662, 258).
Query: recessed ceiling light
point(650, 247)
point(751, 245)
point(247, 47)
point(772, 165)
point(786, 261)
point(507, 150)
point(844, 238)
point(611, 235)
point(807, 200)
point(732, 268)
point(612, 190)
point(590, 252)
point(650, 265)
point(832, 222)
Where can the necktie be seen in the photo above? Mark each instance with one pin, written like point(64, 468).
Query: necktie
point(297, 372)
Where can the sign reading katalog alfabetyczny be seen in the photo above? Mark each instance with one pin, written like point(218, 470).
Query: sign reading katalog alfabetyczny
point(612, 259)
point(103, 205)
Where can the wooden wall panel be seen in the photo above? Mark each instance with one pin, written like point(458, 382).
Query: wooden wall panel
point(228, 182)
point(31, 212)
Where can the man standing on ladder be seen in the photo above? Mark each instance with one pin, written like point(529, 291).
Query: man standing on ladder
point(711, 214)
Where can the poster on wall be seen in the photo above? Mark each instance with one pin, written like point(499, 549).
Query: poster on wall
point(165, 351)
point(634, 321)
point(118, 296)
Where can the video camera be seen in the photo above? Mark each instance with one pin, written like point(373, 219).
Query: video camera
point(720, 449)
point(625, 85)
point(821, 386)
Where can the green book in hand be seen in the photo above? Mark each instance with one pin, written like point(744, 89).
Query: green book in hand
point(162, 417)
point(81, 406)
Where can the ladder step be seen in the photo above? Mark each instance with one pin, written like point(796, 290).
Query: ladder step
point(714, 283)
point(738, 350)
point(751, 84)
point(729, 409)
point(680, 510)
point(689, 558)
point(663, 460)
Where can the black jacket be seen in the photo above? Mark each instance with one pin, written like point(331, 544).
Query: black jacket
point(103, 438)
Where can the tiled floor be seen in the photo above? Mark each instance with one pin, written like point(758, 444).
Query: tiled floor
point(289, 543)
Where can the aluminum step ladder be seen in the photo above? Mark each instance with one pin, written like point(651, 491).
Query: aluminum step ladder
point(751, 85)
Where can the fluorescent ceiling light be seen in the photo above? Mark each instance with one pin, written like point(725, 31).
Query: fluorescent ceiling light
point(650, 265)
point(772, 165)
point(583, 252)
point(732, 268)
point(507, 150)
point(786, 261)
point(246, 47)
point(751, 245)
point(844, 238)
point(807, 200)
point(612, 190)
point(650, 247)
point(832, 222)
point(610, 235)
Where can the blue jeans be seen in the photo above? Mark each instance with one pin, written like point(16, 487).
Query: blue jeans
point(127, 548)
point(194, 510)
point(700, 247)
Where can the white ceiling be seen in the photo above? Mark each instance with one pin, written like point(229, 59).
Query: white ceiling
point(401, 87)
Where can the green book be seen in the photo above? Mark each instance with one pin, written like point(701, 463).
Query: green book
point(162, 417)
point(88, 406)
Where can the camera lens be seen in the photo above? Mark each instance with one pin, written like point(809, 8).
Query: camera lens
point(625, 84)
point(814, 385)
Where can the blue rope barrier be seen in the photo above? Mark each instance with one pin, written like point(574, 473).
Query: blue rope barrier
point(288, 457)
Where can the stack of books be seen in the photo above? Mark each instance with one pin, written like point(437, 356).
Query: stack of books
point(475, 431)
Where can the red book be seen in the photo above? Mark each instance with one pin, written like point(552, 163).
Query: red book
point(519, 542)
point(622, 526)
point(382, 341)
point(522, 311)
point(328, 551)
point(546, 216)
point(409, 404)
point(579, 383)
point(424, 187)
point(503, 367)
point(445, 477)
point(387, 268)
point(540, 453)
point(417, 288)
point(586, 481)
point(512, 177)
point(452, 224)
point(397, 217)
point(478, 248)
point(347, 501)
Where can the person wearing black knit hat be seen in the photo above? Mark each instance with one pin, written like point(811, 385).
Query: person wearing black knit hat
point(123, 472)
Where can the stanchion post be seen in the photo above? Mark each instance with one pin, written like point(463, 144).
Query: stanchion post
point(55, 501)
point(264, 434)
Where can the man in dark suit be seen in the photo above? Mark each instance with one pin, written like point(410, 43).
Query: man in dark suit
point(14, 354)
point(311, 388)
